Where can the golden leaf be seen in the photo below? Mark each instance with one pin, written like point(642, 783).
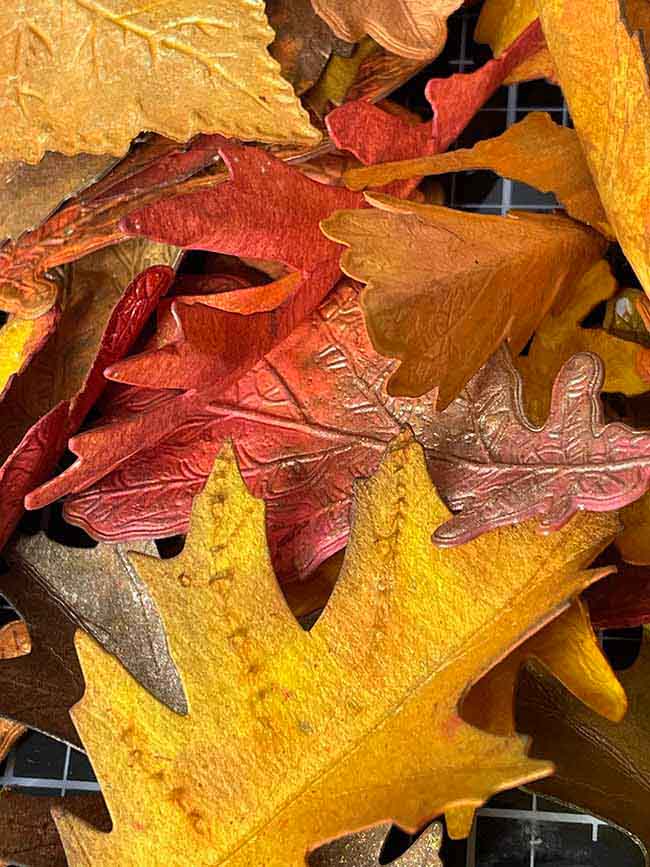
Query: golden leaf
point(89, 75)
point(535, 150)
point(561, 335)
point(294, 737)
point(445, 287)
point(634, 540)
point(409, 28)
point(500, 23)
point(20, 339)
point(604, 77)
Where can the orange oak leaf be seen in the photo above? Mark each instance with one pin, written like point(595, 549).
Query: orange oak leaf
point(306, 740)
point(407, 27)
point(444, 286)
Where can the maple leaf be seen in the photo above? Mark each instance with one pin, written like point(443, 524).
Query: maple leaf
point(20, 340)
point(365, 848)
point(601, 767)
point(214, 53)
point(560, 335)
point(28, 834)
point(306, 720)
point(496, 468)
point(535, 151)
point(615, 132)
point(14, 642)
point(406, 27)
point(97, 588)
point(433, 272)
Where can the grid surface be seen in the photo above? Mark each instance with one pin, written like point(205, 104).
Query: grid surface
point(516, 829)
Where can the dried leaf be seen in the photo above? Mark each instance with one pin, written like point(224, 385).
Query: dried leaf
point(34, 458)
point(29, 194)
point(601, 767)
point(568, 650)
point(301, 743)
point(623, 316)
point(100, 591)
point(406, 27)
point(450, 272)
point(502, 21)
point(634, 541)
point(535, 151)
point(605, 58)
point(14, 642)
point(20, 340)
point(497, 468)
point(364, 849)
point(561, 334)
point(339, 76)
point(621, 600)
point(303, 42)
point(28, 834)
point(214, 53)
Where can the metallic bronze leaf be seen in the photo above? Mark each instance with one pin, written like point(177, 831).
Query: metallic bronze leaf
point(364, 849)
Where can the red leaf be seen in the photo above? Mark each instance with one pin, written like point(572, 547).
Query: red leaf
point(621, 600)
point(35, 458)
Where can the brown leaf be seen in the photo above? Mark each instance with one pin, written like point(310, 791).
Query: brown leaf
point(364, 849)
point(100, 591)
point(14, 642)
point(444, 286)
point(91, 79)
point(535, 151)
point(407, 27)
point(496, 468)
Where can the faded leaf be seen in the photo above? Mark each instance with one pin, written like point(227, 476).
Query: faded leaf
point(621, 600)
point(601, 767)
point(603, 73)
point(102, 593)
point(20, 340)
point(28, 834)
point(132, 65)
point(498, 469)
point(29, 194)
point(14, 642)
point(364, 849)
point(301, 744)
point(445, 288)
point(535, 151)
point(407, 27)
point(627, 365)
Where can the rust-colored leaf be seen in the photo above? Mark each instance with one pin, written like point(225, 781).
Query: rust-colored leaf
point(289, 740)
point(497, 468)
point(364, 849)
point(406, 27)
point(605, 58)
point(535, 151)
point(455, 278)
point(600, 767)
point(86, 77)
point(621, 600)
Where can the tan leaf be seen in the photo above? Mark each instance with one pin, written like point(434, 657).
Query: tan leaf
point(445, 287)
point(293, 737)
point(88, 76)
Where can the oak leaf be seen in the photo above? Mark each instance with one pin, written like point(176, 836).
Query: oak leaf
point(306, 738)
point(20, 340)
point(434, 273)
point(601, 767)
point(14, 642)
point(91, 78)
point(365, 848)
point(407, 27)
point(535, 151)
point(500, 23)
point(561, 334)
point(621, 600)
point(497, 468)
point(606, 58)
point(634, 540)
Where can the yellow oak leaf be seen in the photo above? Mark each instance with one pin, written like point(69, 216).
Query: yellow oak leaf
point(295, 737)
point(603, 71)
point(502, 21)
point(88, 75)
point(445, 287)
point(20, 339)
point(561, 335)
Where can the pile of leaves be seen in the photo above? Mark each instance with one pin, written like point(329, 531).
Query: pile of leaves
point(396, 449)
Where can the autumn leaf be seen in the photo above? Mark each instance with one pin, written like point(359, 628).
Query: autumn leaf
point(497, 468)
point(561, 334)
point(20, 340)
point(14, 642)
point(605, 58)
point(300, 745)
point(634, 540)
point(500, 23)
point(99, 590)
point(535, 151)
point(406, 27)
point(433, 273)
point(622, 600)
point(365, 848)
point(214, 53)
point(27, 831)
point(601, 767)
